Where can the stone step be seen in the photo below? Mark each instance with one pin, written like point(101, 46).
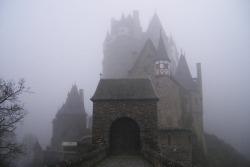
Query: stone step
point(124, 161)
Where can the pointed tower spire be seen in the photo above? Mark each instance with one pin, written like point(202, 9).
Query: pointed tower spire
point(183, 75)
point(155, 24)
point(161, 50)
point(153, 30)
point(162, 60)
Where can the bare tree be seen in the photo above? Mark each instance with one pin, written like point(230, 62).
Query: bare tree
point(12, 112)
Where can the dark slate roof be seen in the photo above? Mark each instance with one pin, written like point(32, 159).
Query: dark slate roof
point(183, 75)
point(154, 24)
point(124, 89)
point(148, 44)
point(161, 51)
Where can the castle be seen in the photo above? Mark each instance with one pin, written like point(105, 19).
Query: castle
point(146, 102)
point(147, 93)
point(70, 123)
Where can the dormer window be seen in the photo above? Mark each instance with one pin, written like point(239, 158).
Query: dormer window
point(161, 67)
point(162, 60)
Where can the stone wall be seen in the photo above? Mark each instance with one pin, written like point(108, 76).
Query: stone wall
point(158, 160)
point(68, 126)
point(143, 112)
point(169, 110)
point(87, 160)
point(167, 90)
point(176, 145)
point(53, 156)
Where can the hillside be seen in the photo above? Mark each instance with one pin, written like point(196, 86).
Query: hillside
point(220, 154)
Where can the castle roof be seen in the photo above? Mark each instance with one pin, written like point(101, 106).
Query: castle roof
point(183, 75)
point(155, 24)
point(161, 51)
point(124, 89)
point(144, 57)
point(74, 102)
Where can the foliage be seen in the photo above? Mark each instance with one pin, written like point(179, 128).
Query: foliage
point(12, 112)
point(220, 154)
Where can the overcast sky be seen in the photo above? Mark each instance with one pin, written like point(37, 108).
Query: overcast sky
point(54, 44)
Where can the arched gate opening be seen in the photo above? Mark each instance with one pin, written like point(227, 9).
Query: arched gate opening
point(124, 137)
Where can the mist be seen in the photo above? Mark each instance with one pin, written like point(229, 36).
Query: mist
point(55, 44)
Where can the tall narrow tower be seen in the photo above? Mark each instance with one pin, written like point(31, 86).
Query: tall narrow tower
point(162, 60)
point(169, 112)
point(70, 122)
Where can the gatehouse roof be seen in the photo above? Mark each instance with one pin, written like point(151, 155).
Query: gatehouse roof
point(124, 89)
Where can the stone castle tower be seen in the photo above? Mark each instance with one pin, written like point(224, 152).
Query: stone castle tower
point(125, 40)
point(131, 53)
point(70, 123)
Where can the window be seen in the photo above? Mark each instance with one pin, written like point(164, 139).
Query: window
point(161, 65)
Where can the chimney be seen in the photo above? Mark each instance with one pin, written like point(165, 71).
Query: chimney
point(81, 95)
point(199, 77)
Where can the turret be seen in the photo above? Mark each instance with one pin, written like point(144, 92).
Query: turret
point(183, 75)
point(137, 30)
point(162, 60)
point(81, 95)
point(199, 77)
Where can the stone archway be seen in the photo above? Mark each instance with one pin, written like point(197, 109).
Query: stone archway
point(124, 137)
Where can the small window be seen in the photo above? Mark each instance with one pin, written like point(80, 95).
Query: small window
point(161, 65)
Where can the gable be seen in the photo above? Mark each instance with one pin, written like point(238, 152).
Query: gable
point(145, 61)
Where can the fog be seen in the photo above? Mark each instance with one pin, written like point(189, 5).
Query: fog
point(54, 44)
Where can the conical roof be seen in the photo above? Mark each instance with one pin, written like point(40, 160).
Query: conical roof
point(161, 51)
point(155, 24)
point(74, 102)
point(171, 41)
point(73, 91)
point(183, 75)
point(153, 30)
